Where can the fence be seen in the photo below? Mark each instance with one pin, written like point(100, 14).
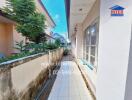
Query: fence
point(21, 82)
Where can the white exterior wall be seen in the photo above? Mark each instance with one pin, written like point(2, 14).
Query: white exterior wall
point(81, 27)
point(114, 48)
point(128, 93)
point(114, 73)
point(92, 15)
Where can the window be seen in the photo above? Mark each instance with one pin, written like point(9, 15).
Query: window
point(90, 44)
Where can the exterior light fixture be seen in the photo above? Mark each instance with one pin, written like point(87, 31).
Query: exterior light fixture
point(80, 9)
point(75, 29)
point(88, 32)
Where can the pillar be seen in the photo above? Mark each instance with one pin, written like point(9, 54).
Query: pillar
point(114, 75)
point(79, 41)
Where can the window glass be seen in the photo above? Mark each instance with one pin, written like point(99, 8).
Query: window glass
point(92, 60)
point(87, 57)
point(88, 39)
point(93, 49)
point(87, 49)
point(93, 35)
point(91, 44)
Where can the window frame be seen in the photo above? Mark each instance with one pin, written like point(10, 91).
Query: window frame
point(89, 45)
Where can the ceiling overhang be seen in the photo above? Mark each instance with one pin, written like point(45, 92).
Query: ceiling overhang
point(78, 11)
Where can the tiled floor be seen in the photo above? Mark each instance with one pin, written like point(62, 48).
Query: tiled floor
point(69, 84)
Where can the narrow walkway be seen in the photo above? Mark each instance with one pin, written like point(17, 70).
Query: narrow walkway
point(69, 84)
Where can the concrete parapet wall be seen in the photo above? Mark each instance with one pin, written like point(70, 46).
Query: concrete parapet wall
point(21, 82)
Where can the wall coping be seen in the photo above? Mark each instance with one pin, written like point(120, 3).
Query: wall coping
point(12, 63)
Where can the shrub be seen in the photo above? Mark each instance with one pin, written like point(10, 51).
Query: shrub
point(20, 46)
point(30, 49)
point(50, 46)
point(58, 42)
point(66, 52)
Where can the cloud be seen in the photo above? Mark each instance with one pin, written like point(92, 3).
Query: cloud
point(57, 17)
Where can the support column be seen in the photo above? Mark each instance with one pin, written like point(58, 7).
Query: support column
point(114, 75)
point(128, 89)
point(79, 41)
point(73, 41)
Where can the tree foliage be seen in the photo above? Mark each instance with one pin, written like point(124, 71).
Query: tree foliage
point(58, 42)
point(29, 22)
point(20, 46)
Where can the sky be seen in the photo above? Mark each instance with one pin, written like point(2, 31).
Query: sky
point(56, 9)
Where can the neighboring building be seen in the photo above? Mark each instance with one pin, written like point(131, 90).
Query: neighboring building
point(8, 33)
point(60, 37)
point(49, 21)
point(100, 32)
point(50, 38)
point(50, 24)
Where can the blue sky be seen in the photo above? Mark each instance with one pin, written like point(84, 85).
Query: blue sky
point(56, 9)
